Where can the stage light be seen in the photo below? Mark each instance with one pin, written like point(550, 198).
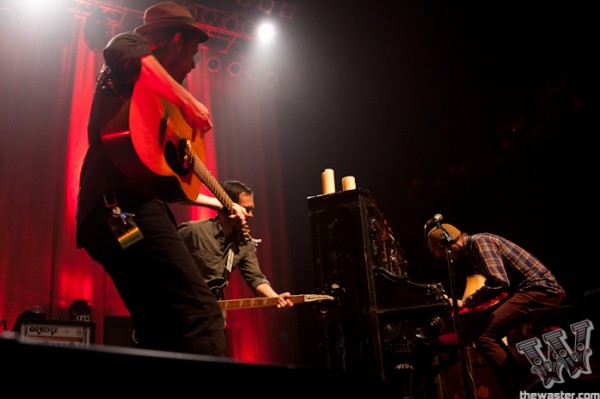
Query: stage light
point(235, 69)
point(213, 64)
point(209, 17)
point(266, 32)
point(231, 23)
point(266, 6)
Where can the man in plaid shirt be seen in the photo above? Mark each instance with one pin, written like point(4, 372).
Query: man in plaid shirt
point(511, 273)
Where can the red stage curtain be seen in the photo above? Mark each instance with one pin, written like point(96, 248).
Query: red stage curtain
point(47, 81)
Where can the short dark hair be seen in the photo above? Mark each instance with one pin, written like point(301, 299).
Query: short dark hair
point(234, 188)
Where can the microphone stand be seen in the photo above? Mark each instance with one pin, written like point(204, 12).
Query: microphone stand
point(456, 318)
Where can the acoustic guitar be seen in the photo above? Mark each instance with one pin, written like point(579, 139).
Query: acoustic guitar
point(151, 140)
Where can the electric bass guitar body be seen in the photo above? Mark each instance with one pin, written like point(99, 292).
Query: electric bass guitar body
point(485, 307)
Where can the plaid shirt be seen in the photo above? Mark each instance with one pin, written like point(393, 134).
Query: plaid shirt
point(507, 268)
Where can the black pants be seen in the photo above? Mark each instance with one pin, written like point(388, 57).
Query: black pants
point(171, 306)
point(509, 315)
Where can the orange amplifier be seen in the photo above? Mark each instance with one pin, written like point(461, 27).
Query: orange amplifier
point(59, 332)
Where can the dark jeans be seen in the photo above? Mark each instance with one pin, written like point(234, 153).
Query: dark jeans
point(511, 314)
point(171, 306)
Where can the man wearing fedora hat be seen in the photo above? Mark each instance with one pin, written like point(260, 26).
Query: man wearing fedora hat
point(123, 220)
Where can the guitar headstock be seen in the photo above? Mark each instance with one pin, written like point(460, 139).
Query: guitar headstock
point(246, 237)
point(317, 297)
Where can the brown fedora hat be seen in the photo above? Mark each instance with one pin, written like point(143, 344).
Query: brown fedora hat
point(168, 14)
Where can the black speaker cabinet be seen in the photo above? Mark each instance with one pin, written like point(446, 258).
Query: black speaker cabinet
point(118, 331)
point(381, 322)
point(350, 240)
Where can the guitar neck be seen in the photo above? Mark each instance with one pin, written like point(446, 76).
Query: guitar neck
point(219, 192)
point(233, 304)
point(211, 183)
point(259, 302)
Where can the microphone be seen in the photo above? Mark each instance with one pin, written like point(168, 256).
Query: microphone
point(435, 219)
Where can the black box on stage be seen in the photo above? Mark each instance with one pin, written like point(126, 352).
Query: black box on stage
point(485, 384)
point(58, 332)
point(119, 331)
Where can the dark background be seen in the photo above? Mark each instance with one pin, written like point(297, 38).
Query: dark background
point(480, 111)
point(484, 112)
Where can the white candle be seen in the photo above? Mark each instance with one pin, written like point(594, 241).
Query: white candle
point(328, 181)
point(348, 183)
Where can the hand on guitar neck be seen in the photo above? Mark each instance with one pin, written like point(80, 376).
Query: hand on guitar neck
point(239, 216)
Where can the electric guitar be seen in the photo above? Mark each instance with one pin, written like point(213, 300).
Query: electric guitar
point(217, 284)
point(247, 303)
point(149, 139)
point(473, 283)
point(485, 306)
